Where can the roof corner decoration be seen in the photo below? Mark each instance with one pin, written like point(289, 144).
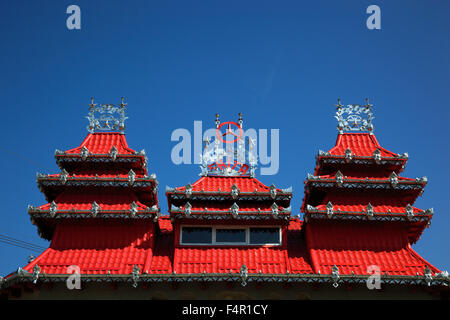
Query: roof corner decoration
point(187, 209)
point(234, 191)
point(53, 208)
point(106, 117)
point(63, 176)
point(135, 275)
point(377, 155)
point(339, 178)
point(228, 160)
point(131, 177)
point(188, 190)
point(95, 209)
point(393, 179)
point(244, 275)
point(273, 191)
point(409, 211)
point(234, 210)
point(329, 209)
point(354, 117)
point(348, 155)
point(113, 153)
point(133, 209)
point(84, 153)
point(369, 209)
point(335, 275)
point(275, 209)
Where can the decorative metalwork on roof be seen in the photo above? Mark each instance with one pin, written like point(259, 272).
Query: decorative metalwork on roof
point(106, 117)
point(354, 117)
point(227, 160)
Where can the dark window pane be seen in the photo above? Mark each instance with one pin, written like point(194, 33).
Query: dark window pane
point(230, 235)
point(196, 235)
point(264, 235)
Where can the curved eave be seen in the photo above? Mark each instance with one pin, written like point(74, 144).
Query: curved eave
point(216, 195)
point(134, 280)
point(62, 158)
point(365, 183)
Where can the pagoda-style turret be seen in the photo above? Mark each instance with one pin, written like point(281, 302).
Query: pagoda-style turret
point(102, 204)
point(358, 210)
point(227, 207)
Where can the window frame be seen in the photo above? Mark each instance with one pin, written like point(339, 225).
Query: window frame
point(247, 236)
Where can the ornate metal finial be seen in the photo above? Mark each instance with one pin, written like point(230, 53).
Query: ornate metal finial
point(133, 209)
point(369, 209)
point(275, 209)
point(135, 275)
point(234, 191)
point(53, 208)
point(428, 275)
point(273, 191)
point(240, 120)
point(330, 211)
point(234, 210)
point(335, 275)
point(187, 209)
point(131, 177)
point(217, 122)
point(106, 117)
point(244, 275)
point(95, 209)
point(229, 157)
point(354, 117)
point(36, 272)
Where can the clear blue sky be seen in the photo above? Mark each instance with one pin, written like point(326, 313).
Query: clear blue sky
point(282, 63)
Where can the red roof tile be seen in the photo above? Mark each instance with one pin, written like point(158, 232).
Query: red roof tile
point(355, 248)
point(297, 252)
point(361, 144)
point(213, 183)
point(97, 249)
point(118, 200)
point(102, 142)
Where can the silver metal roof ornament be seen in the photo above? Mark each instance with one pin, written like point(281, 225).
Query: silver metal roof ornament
point(369, 209)
point(393, 179)
point(53, 208)
point(187, 209)
point(234, 191)
point(36, 273)
point(133, 209)
point(63, 176)
point(409, 211)
point(234, 209)
point(244, 275)
point(348, 155)
point(131, 177)
point(330, 211)
point(335, 275)
point(428, 275)
point(273, 191)
point(377, 155)
point(95, 209)
point(229, 157)
point(135, 275)
point(339, 178)
point(113, 153)
point(84, 153)
point(275, 209)
point(188, 190)
point(354, 117)
point(106, 117)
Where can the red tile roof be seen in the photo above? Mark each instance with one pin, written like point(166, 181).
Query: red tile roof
point(97, 249)
point(361, 144)
point(213, 183)
point(118, 200)
point(355, 248)
point(102, 142)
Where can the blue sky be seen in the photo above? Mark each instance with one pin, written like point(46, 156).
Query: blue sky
point(283, 64)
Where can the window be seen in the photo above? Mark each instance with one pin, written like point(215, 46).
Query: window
point(265, 235)
point(196, 235)
point(230, 235)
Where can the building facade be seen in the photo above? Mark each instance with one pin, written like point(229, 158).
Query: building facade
point(228, 235)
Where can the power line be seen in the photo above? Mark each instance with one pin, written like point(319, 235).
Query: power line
point(10, 240)
point(17, 245)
